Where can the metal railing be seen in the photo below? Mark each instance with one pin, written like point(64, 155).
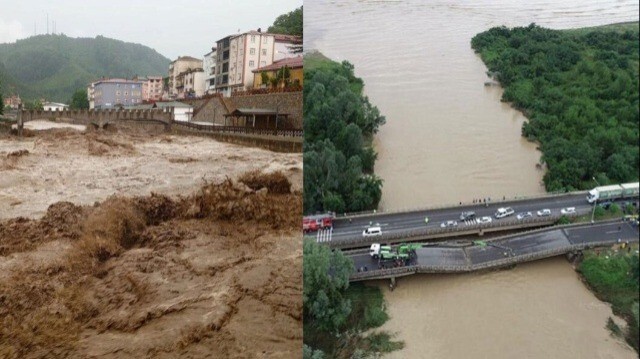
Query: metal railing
point(240, 130)
point(456, 205)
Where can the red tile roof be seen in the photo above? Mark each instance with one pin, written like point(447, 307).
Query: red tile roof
point(291, 62)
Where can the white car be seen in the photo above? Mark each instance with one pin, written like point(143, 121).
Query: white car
point(568, 210)
point(484, 220)
point(372, 232)
point(504, 212)
point(524, 215)
point(448, 224)
point(544, 212)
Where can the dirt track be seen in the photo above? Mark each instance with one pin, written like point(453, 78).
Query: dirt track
point(215, 272)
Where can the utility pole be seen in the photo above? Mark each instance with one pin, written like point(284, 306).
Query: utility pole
point(47, 23)
point(595, 203)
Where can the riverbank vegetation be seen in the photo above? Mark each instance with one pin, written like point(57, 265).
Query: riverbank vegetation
point(339, 124)
point(613, 276)
point(337, 314)
point(579, 90)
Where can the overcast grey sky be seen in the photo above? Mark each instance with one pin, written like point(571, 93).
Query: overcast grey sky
point(171, 27)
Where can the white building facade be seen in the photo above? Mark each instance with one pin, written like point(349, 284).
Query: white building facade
point(209, 67)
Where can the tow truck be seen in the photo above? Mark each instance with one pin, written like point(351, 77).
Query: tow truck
point(389, 257)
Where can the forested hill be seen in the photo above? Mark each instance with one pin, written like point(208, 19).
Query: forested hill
point(54, 66)
point(579, 89)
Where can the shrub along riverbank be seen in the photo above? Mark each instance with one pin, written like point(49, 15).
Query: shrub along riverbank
point(613, 277)
point(339, 124)
point(579, 89)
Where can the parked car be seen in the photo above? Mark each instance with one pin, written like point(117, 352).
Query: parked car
point(448, 224)
point(372, 232)
point(568, 210)
point(466, 216)
point(484, 220)
point(523, 215)
point(544, 212)
point(504, 212)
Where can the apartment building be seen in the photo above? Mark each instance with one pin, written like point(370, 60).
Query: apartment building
point(178, 66)
point(12, 102)
point(209, 66)
point(191, 83)
point(151, 88)
point(112, 93)
point(238, 55)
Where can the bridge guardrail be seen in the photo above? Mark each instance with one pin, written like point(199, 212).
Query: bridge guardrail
point(454, 205)
point(241, 130)
point(359, 240)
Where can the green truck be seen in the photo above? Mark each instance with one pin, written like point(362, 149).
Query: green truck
point(398, 256)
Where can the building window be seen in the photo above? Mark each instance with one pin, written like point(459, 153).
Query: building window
point(252, 51)
point(238, 77)
point(264, 52)
point(251, 63)
point(253, 39)
point(126, 93)
point(263, 63)
point(118, 92)
point(265, 40)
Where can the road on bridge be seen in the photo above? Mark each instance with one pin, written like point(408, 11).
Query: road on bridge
point(451, 257)
point(404, 222)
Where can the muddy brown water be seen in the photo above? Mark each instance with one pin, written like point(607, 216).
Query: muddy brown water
point(448, 138)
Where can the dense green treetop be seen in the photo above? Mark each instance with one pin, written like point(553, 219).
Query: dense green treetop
point(288, 24)
point(325, 277)
point(339, 123)
point(79, 100)
point(579, 89)
point(54, 66)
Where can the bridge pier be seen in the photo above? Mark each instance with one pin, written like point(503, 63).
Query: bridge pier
point(392, 284)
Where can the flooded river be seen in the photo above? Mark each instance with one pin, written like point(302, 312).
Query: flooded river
point(537, 310)
point(448, 138)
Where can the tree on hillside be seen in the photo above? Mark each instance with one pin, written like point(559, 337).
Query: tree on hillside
point(325, 277)
point(289, 24)
point(79, 100)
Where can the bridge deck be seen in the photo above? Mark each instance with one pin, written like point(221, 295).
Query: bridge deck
point(448, 258)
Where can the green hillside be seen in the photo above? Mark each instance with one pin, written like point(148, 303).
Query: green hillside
point(54, 66)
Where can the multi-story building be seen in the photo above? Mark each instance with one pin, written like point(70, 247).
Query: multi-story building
point(296, 75)
point(238, 55)
point(209, 66)
point(191, 83)
point(180, 65)
point(113, 93)
point(12, 102)
point(151, 88)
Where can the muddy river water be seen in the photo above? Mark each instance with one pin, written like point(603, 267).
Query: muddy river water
point(448, 138)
